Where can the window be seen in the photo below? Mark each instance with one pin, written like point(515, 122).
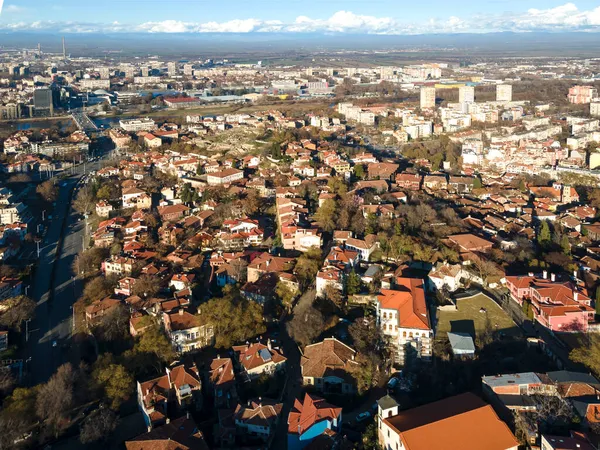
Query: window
point(385, 315)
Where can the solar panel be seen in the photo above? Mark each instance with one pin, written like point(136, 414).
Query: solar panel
point(265, 354)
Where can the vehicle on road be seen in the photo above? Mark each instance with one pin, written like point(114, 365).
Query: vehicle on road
point(393, 383)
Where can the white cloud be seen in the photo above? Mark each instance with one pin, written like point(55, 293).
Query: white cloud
point(566, 17)
point(11, 8)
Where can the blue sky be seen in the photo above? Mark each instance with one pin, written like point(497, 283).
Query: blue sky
point(356, 16)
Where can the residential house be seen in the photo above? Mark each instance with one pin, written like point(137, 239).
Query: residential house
point(408, 181)
point(223, 177)
point(180, 434)
point(382, 171)
point(365, 247)
point(180, 384)
point(311, 418)
point(557, 305)
point(103, 208)
point(256, 359)
point(265, 263)
point(328, 366)
point(172, 213)
point(257, 419)
point(188, 331)
point(222, 379)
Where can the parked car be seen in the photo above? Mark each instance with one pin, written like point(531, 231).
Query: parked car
point(393, 383)
point(363, 416)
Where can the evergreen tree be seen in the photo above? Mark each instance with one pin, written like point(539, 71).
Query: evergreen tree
point(544, 235)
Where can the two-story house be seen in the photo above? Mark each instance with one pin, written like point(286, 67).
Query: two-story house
point(328, 366)
point(311, 418)
point(188, 331)
point(255, 359)
point(180, 385)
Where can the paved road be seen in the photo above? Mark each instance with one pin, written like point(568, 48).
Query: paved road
point(53, 317)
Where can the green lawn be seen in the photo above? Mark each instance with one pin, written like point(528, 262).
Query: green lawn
point(469, 319)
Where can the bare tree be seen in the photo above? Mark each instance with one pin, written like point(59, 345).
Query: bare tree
point(56, 398)
point(98, 426)
point(19, 309)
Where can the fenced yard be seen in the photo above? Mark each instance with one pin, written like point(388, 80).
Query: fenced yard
point(471, 316)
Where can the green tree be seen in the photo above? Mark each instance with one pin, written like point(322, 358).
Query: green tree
point(359, 171)
point(308, 266)
point(286, 294)
point(372, 224)
point(353, 283)
point(370, 438)
point(477, 183)
point(326, 215)
point(544, 236)
point(588, 353)
point(337, 185)
point(116, 382)
point(565, 245)
point(234, 318)
point(153, 341)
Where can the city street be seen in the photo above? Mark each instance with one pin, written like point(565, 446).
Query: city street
point(49, 333)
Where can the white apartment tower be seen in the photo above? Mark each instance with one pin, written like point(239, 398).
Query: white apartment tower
point(504, 93)
point(427, 97)
point(172, 68)
point(466, 94)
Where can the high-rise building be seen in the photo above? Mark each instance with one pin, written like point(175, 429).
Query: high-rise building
point(427, 97)
point(43, 101)
point(595, 109)
point(188, 70)
point(466, 94)
point(104, 73)
point(504, 93)
point(145, 71)
point(582, 94)
point(172, 68)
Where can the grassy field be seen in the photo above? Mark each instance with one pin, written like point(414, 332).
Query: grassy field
point(469, 319)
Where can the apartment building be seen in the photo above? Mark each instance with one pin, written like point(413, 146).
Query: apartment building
point(427, 97)
point(580, 95)
point(504, 93)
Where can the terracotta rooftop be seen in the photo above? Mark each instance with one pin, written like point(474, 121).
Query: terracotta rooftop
point(456, 423)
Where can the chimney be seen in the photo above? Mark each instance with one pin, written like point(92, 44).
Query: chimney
point(545, 274)
point(168, 421)
point(576, 296)
point(269, 344)
point(575, 274)
point(187, 415)
point(553, 277)
point(181, 312)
